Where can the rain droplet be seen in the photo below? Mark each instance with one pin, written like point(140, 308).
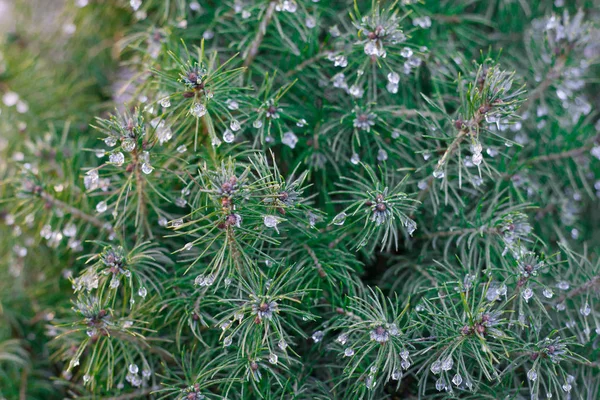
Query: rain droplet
point(198, 110)
point(147, 168)
point(457, 380)
point(317, 336)
point(282, 344)
point(133, 368)
point(101, 207)
point(339, 219)
point(165, 102)
point(228, 136)
point(235, 125)
point(585, 310)
point(289, 139)
point(117, 158)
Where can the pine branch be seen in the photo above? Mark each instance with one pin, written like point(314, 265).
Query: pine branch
point(76, 212)
point(309, 61)
point(135, 395)
point(252, 52)
point(579, 151)
point(318, 265)
point(554, 73)
point(140, 183)
point(457, 232)
point(593, 282)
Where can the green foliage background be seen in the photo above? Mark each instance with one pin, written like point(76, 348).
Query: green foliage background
point(300, 199)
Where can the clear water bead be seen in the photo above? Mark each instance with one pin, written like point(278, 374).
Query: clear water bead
point(457, 379)
point(447, 364)
point(198, 110)
point(257, 124)
point(128, 145)
point(440, 384)
point(182, 149)
point(228, 136)
point(406, 52)
point(135, 4)
point(436, 367)
point(396, 375)
point(10, 99)
point(282, 344)
point(370, 382)
point(411, 226)
point(232, 104)
point(548, 293)
point(585, 310)
point(438, 174)
point(349, 352)
point(289, 139)
point(227, 341)
point(101, 207)
point(317, 336)
point(382, 155)
point(165, 102)
point(271, 221)
point(114, 282)
point(110, 141)
point(235, 125)
point(273, 358)
point(527, 294)
point(117, 159)
point(355, 159)
point(393, 78)
point(147, 168)
point(532, 374)
point(356, 91)
point(342, 339)
point(133, 369)
point(188, 246)
point(339, 219)
point(142, 292)
point(404, 354)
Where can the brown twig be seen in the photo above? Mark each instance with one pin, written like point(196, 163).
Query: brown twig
point(578, 290)
point(135, 395)
point(306, 63)
point(252, 52)
point(77, 213)
point(318, 265)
